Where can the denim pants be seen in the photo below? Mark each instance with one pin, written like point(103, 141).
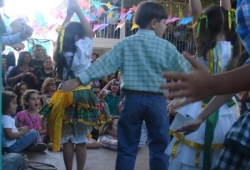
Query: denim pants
point(136, 108)
point(23, 142)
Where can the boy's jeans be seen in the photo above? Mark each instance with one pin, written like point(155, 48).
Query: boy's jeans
point(135, 109)
point(23, 142)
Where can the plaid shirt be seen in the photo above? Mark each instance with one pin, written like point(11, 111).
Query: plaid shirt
point(243, 22)
point(141, 58)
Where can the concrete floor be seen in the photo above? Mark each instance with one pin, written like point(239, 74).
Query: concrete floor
point(97, 159)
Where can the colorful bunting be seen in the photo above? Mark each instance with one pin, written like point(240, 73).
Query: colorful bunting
point(134, 26)
point(172, 20)
point(120, 25)
point(103, 26)
point(108, 5)
point(134, 8)
point(185, 21)
point(122, 16)
point(129, 17)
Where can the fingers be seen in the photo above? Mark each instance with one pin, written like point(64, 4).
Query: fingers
point(176, 76)
point(194, 62)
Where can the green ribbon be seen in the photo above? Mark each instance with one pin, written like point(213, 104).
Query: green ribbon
point(209, 134)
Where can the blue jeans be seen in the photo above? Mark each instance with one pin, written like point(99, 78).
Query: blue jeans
point(23, 142)
point(136, 108)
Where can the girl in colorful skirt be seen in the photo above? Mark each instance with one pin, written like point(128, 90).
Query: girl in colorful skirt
point(71, 115)
point(213, 32)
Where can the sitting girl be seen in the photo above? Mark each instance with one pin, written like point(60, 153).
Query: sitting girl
point(30, 117)
point(16, 139)
point(108, 134)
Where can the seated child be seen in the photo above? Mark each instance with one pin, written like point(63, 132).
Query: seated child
point(16, 139)
point(108, 134)
point(30, 116)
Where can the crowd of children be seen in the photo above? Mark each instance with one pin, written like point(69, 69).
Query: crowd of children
point(68, 111)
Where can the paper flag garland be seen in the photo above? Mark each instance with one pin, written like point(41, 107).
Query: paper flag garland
point(134, 26)
point(185, 21)
point(172, 20)
point(119, 25)
point(129, 17)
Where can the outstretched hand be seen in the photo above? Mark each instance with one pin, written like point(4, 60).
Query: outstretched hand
point(70, 84)
point(190, 127)
point(193, 86)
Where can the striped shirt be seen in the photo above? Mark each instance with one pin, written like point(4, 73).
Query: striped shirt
point(243, 22)
point(142, 58)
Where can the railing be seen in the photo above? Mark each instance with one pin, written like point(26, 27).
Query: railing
point(180, 36)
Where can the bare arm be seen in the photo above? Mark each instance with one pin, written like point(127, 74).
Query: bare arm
point(15, 78)
point(14, 135)
point(44, 130)
point(200, 84)
point(87, 29)
point(196, 10)
point(225, 4)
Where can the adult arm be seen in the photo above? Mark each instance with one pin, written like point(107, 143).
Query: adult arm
point(199, 84)
point(17, 37)
point(14, 75)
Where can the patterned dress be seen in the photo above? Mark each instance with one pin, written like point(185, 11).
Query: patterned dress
point(71, 115)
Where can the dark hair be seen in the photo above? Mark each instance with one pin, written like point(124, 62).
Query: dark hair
point(10, 59)
point(216, 22)
point(21, 56)
point(72, 30)
point(7, 96)
point(146, 11)
point(108, 126)
point(238, 60)
point(26, 97)
point(37, 46)
point(16, 90)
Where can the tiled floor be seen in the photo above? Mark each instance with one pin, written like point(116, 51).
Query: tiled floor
point(97, 159)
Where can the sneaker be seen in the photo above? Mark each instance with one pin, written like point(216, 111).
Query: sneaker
point(41, 147)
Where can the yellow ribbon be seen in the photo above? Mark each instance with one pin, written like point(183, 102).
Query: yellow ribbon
point(61, 32)
point(59, 101)
point(81, 87)
point(179, 137)
point(198, 23)
point(197, 146)
point(231, 18)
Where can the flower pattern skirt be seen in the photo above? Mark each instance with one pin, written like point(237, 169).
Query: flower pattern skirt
point(86, 108)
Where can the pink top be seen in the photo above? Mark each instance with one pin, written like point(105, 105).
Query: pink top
point(33, 121)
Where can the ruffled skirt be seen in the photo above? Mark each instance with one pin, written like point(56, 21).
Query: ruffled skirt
point(86, 109)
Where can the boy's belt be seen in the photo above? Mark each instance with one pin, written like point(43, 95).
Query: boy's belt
point(142, 92)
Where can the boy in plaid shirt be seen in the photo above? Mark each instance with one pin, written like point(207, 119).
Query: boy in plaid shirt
point(141, 58)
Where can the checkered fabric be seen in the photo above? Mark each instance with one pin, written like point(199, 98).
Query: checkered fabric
point(239, 133)
point(233, 160)
point(141, 58)
point(243, 22)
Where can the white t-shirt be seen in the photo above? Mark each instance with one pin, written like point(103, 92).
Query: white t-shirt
point(8, 122)
point(82, 57)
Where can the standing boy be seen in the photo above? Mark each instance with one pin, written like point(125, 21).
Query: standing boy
point(141, 58)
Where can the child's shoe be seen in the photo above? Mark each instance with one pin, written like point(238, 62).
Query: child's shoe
point(40, 147)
